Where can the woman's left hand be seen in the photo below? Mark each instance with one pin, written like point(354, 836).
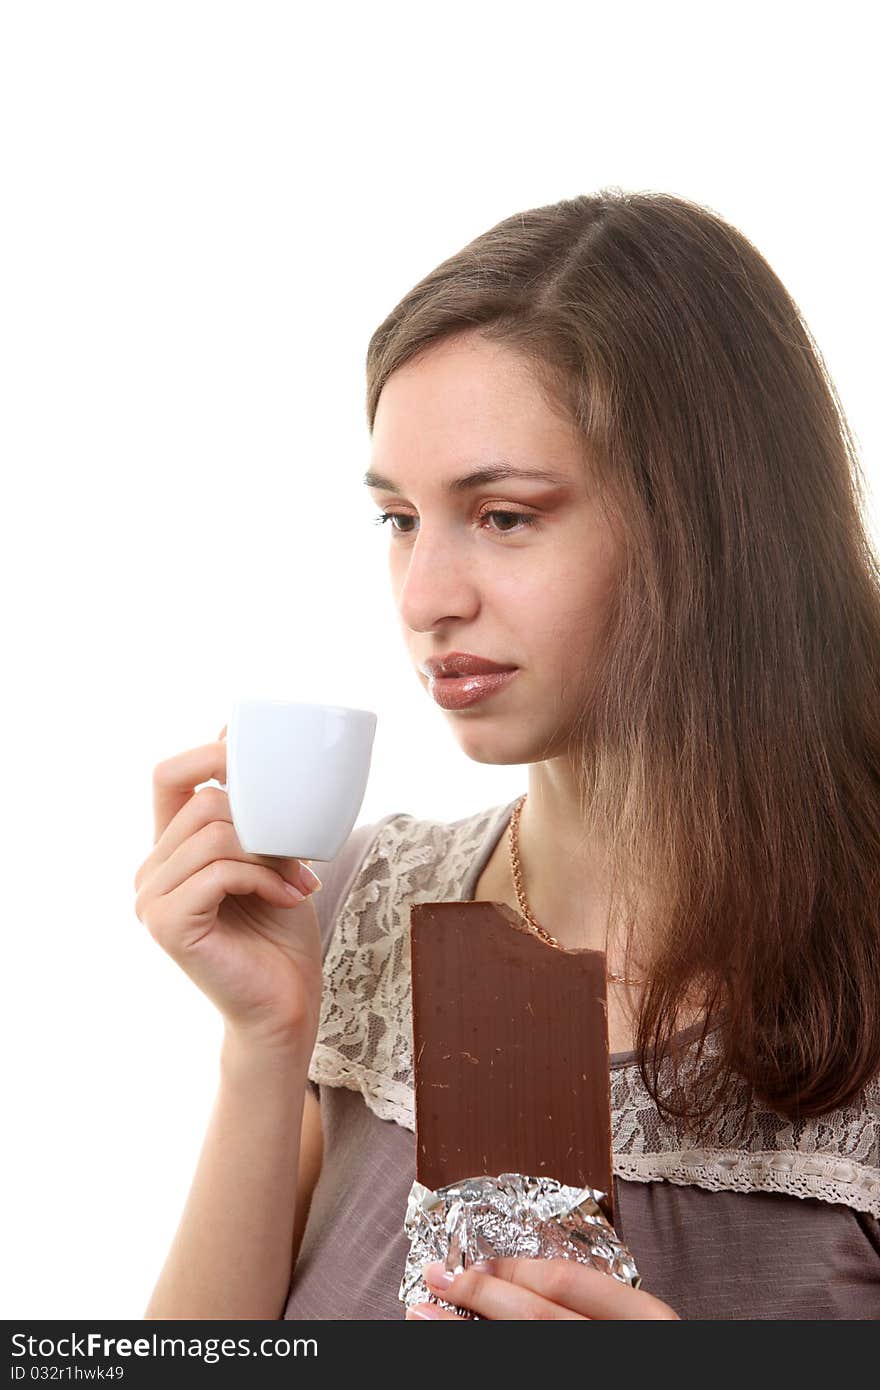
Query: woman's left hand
point(515, 1287)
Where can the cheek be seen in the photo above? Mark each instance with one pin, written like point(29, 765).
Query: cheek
point(570, 606)
point(566, 632)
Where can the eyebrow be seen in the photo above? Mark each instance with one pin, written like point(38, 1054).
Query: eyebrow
point(492, 473)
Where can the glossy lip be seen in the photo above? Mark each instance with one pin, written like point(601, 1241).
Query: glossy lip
point(462, 664)
point(458, 692)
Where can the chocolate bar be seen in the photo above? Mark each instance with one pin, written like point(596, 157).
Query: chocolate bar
point(510, 1050)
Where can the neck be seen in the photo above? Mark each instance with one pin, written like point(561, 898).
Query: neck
point(564, 874)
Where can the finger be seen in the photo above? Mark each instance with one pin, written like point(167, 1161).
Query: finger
point(430, 1312)
point(180, 919)
point(500, 1299)
point(213, 843)
point(203, 831)
point(207, 806)
point(585, 1292)
point(175, 781)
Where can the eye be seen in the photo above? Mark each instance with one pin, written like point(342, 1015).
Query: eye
point(522, 517)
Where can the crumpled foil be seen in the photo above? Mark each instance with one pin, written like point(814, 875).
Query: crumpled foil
point(480, 1217)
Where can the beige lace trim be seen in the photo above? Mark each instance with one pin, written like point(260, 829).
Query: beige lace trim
point(364, 1042)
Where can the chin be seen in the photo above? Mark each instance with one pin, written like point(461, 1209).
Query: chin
point(502, 749)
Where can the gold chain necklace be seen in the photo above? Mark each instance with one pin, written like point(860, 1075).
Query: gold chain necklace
point(520, 891)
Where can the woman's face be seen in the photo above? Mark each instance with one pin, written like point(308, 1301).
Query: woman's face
point(466, 579)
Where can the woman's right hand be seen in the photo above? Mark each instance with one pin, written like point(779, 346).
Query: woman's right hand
point(225, 916)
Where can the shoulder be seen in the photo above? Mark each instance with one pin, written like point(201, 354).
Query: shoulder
point(412, 859)
point(421, 852)
point(834, 1157)
point(398, 858)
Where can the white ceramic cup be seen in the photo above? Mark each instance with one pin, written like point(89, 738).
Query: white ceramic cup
point(296, 775)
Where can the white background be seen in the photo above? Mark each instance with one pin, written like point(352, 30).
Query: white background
point(207, 209)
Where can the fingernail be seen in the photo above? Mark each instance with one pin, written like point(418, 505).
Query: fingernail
point(310, 879)
point(436, 1274)
point(295, 892)
point(422, 1310)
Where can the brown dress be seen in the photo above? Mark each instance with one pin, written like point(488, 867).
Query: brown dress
point(783, 1225)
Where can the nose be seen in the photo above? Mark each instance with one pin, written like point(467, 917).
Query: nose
point(434, 584)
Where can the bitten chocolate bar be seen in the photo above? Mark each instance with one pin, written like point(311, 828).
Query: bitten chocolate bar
point(510, 1050)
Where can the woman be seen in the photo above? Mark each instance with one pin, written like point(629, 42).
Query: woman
point(611, 460)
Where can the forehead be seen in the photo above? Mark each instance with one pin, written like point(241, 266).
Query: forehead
point(466, 370)
point(464, 401)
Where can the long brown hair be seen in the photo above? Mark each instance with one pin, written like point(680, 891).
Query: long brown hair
point(729, 750)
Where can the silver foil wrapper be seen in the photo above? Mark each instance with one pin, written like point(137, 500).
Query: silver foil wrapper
point(480, 1217)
